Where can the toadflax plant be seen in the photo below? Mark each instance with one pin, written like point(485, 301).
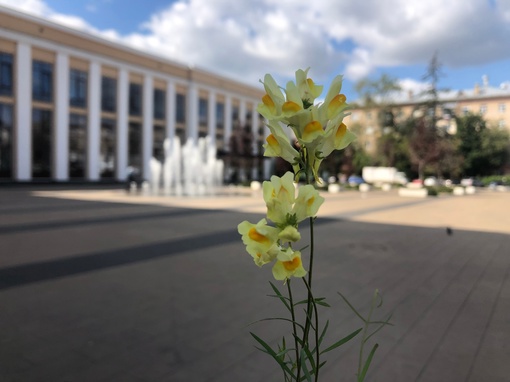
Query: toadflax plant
point(318, 130)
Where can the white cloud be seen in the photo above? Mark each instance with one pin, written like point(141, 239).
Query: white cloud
point(245, 39)
point(408, 85)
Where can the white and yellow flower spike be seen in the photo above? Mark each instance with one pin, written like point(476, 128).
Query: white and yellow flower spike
point(307, 203)
point(279, 195)
point(288, 264)
point(258, 237)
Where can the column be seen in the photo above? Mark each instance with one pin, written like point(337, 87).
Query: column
point(242, 113)
point(148, 125)
point(192, 113)
point(211, 118)
point(61, 130)
point(255, 133)
point(170, 111)
point(94, 121)
point(255, 127)
point(228, 121)
point(23, 113)
point(122, 124)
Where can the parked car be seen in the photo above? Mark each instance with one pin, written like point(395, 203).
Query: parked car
point(431, 181)
point(355, 180)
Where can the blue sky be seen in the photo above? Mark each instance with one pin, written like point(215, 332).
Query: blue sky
point(244, 39)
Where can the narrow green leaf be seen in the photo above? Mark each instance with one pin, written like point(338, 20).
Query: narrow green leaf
point(306, 373)
point(352, 307)
point(342, 341)
point(280, 296)
point(276, 296)
point(279, 319)
point(323, 303)
point(323, 334)
point(382, 325)
point(310, 358)
point(361, 377)
point(272, 353)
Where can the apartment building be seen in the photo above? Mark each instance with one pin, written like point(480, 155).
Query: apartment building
point(493, 103)
point(76, 106)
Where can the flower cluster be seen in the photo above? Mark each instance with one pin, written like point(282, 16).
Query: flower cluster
point(318, 128)
point(266, 243)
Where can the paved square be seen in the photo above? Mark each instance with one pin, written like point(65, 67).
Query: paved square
point(96, 286)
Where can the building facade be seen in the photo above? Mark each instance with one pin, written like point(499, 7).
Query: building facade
point(75, 106)
point(490, 102)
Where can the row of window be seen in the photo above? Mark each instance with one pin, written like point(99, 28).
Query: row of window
point(42, 142)
point(484, 108)
point(42, 91)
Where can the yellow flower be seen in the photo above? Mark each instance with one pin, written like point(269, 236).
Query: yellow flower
point(273, 100)
point(258, 237)
point(289, 234)
point(288, 265)
point(260, 258)
point(308, 91)
point(336, 137)
point(278, 145)
point(334, 102)
point(307, 203)
point(279, 195)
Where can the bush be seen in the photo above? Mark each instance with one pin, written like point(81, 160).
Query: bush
point(498, 179)
point(436, 190)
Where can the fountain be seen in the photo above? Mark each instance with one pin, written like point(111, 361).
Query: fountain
point(187, 170)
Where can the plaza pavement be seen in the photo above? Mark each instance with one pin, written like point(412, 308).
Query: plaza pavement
point(98, 285)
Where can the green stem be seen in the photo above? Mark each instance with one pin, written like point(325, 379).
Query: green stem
point(317, 350)
point(294, 329)
point(364, 336)
point(310, 302)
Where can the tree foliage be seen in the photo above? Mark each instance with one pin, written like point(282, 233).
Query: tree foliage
point(485, 151)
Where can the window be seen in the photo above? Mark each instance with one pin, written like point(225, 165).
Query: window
point(180, 108)
point(107, 148)
point(483, 109)
point(158, 147)
point(42, 81)
point(369, 115)
point(77, 145)
point(159, 104)
point(42, 121)
point(108, 94)
point(501, 107)
point(202, 111)
point(501, 124)
point(465, 110)
point(135, 99)
point(220, 115)
point(5, 74)
point(135, 146)
point(5, 141)
point(369, 130)
point(235, 113)
point(78, 88)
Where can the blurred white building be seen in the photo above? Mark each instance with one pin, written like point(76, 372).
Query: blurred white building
point(75, 106)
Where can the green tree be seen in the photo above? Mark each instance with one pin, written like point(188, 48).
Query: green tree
point(485, 151)
point(376, 92)
point(424, 147)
